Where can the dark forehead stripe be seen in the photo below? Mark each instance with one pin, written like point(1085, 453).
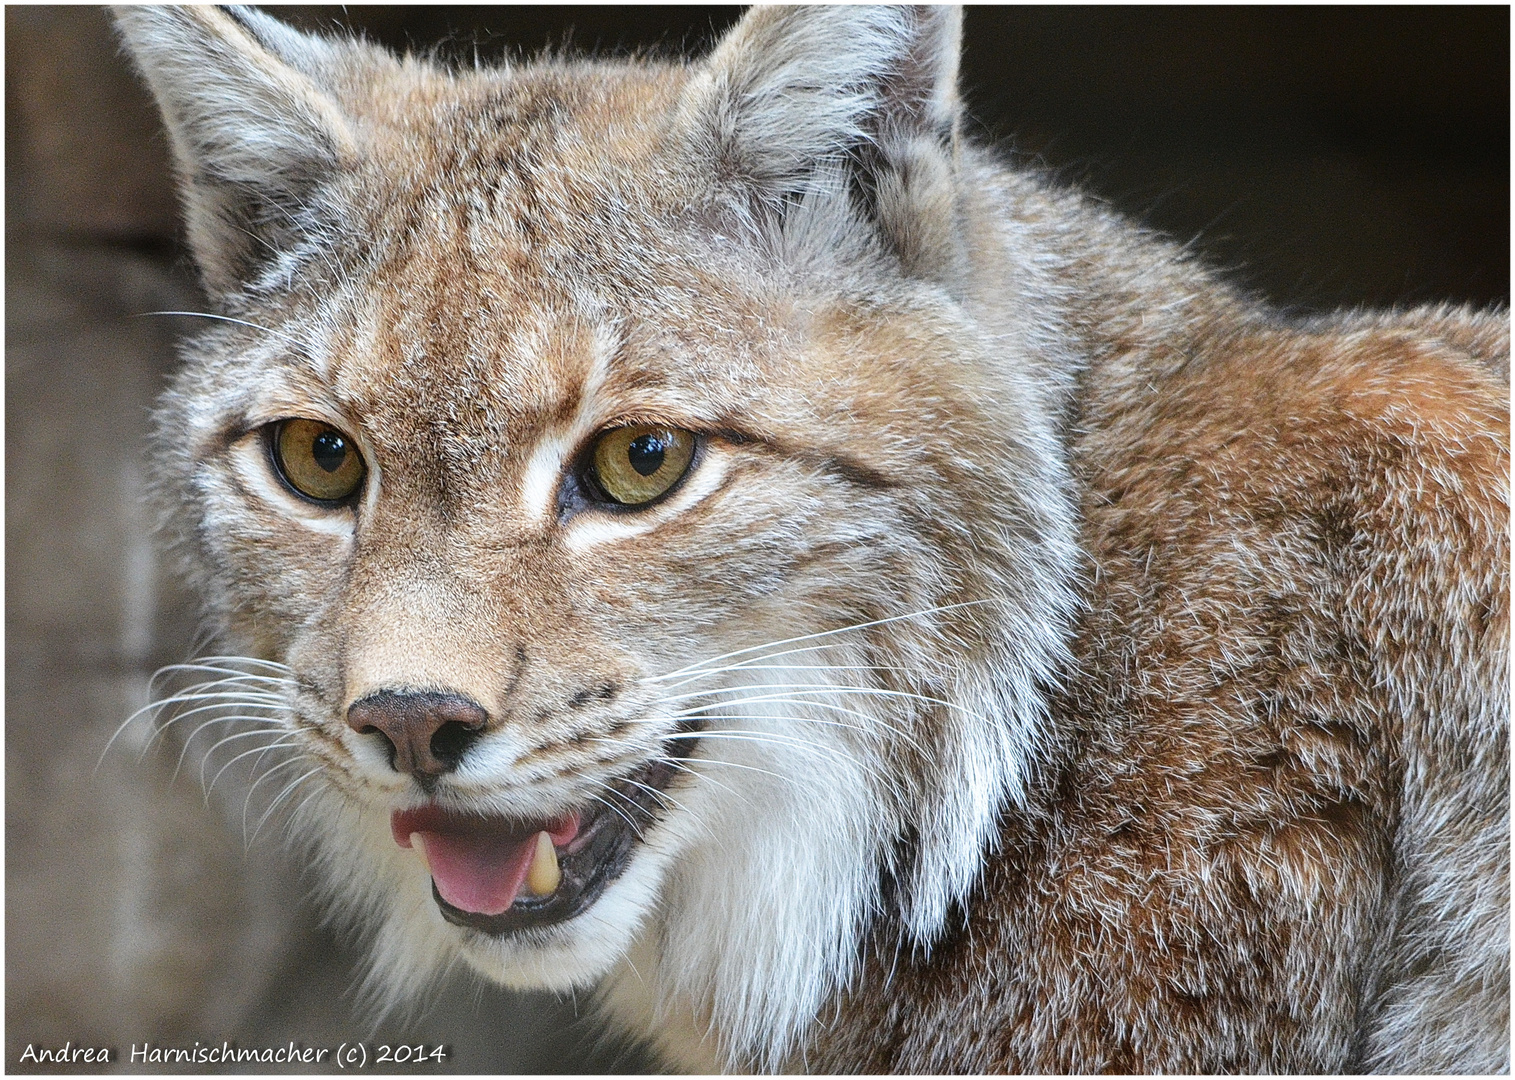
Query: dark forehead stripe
point(848, 468)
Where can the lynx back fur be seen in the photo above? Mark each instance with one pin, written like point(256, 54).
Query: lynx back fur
point(709, 532)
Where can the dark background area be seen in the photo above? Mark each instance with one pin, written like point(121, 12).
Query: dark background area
point(1327, 156)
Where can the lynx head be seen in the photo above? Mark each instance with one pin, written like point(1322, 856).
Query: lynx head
point(659, 546)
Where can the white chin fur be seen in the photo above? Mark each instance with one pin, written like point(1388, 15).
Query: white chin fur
point(576, 954)
point(758, 919)
point(385, 890)
point(754, 884)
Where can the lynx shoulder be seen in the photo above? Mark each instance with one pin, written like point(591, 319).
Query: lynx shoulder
point(711, 533)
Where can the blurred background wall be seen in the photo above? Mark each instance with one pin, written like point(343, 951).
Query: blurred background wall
point(1327, 156)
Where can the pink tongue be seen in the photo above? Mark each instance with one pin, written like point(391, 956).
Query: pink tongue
point(478, 864)
point(481, 875)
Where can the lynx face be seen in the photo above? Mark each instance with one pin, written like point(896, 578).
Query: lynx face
point(609, 476)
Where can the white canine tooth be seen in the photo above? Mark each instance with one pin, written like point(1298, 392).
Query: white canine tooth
point(543, 876)
point(418, 842)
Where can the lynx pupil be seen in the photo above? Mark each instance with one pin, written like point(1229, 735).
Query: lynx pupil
point(329, 450)
point(646, 454)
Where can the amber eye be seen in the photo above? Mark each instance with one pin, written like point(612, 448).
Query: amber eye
point(634, 465)
point(317, 460)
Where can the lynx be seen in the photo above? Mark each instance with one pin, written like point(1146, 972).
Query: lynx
point(708, 532)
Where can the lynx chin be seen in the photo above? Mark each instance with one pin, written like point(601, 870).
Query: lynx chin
point(708, 532)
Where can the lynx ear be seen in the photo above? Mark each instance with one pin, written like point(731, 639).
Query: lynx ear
point(253, 133)
point(856, 102)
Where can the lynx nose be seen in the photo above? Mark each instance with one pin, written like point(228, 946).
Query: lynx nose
point(427, 733)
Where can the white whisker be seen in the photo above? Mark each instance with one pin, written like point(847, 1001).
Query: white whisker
point(288, 790)
point(753, 716)
point(819, 634)
point(753, 665)
point(162, 729)
point(251, 699)
point(295, 813)
point(733, 765)
point(871, 726)
point(615, 809)
point(792, 698)
point(759, 738)
point(206, 662)
point(820, 688)
point(261, 750)
point(261, 729)
point(247, 801)
point(678, 763)
point(206, 759)
point(223, 665)
point(663, 797)
point(228, 319)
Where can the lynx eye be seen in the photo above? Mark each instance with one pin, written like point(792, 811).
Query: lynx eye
point(634, 465)
point(317, 460)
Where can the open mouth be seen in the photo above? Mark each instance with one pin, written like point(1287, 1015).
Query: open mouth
point(501, 875)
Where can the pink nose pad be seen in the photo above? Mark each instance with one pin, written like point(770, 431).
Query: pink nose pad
point(428, 733)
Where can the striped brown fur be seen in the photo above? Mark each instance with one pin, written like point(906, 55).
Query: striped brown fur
point(1134, 692)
